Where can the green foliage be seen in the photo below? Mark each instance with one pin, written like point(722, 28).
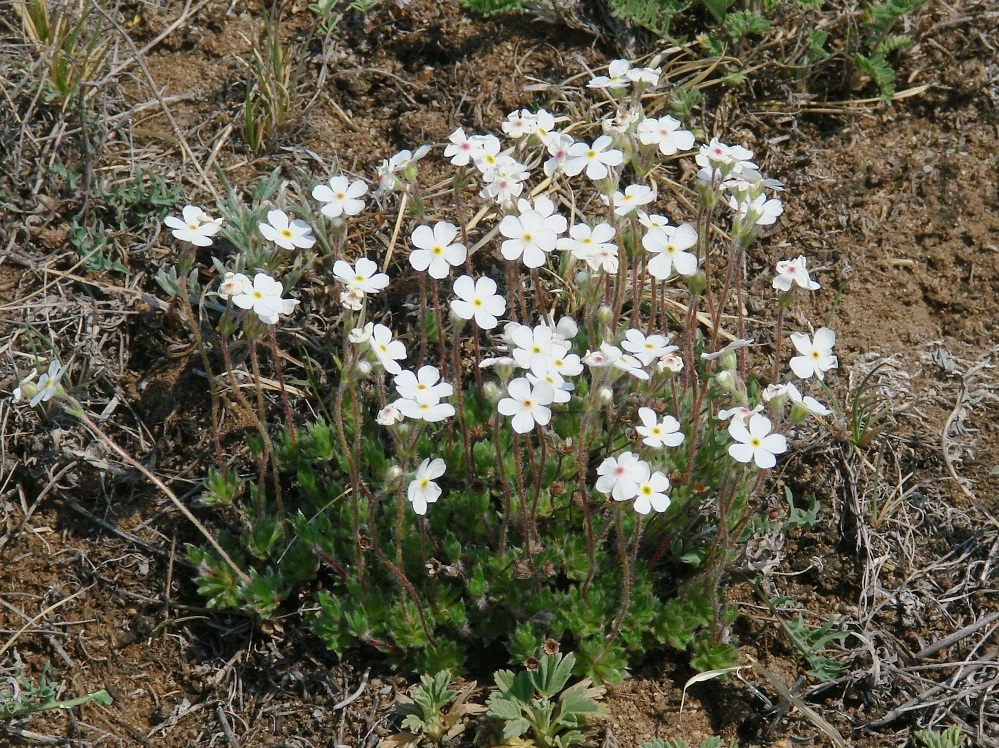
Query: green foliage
point(272, 92)
point(952, 737)
point(878, 42)
point(71, 46)
point(113, 210)
point(742, 23)
point(681, 743)
point(652, 15)
point(798, 517)
point(20, 696)
point(490, 7)
point(434, 712)
point(537, 703)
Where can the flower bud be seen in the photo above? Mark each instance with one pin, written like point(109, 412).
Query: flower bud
point(492, 392)
point(696, 283)
point(393, 474)
point(605, 395)
point(728, 361)
point(582, 278)
point(363, 369)
point(605, 315)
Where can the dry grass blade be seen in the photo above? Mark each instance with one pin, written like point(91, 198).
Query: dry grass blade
point(810, 714)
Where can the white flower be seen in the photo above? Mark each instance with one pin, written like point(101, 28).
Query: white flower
point(652, 220)
point(756, 443)
point(462, 149)
point(286, 234)
point(584, 240)
point(546, 208)
point(561, 390)
point(436, 252)
point(423, 386)
point(529, 342)
point(519, 123)
point(47, 386)
point(234, 283)
point(790, 272)
point(659, 434)
point(620, 476)
point(264, 298)
point(671, 363)
point(718, 160)
point(739, 413)
point(594, 158)
point(430, 410)
point(633, 196)
point(388, 351)
point(364, 276)
point(647, 348)
point(478, 300)
point(505, 181)
point(807, 403)
point(558, 148)
point(528, 236)
point(756, 211)
point(422, 489)
point(361, 335)
point(340, 197)
point(616, 78)
point(665, 133)
point(668, 245)
point(527, 404)
point(651, 494)
point(389, 415)
point(648, 76)
point(196, 226)
point(353, 298)
point(611, 355)
point(404, 159)
point(816, 353)
point(730, 348)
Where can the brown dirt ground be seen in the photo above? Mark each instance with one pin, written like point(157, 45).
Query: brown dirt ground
point(896, 206)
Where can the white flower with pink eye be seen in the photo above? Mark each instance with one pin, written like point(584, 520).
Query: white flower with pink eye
point(620, 476)
point(558, 148)
point(793, 272)
point(665, 133)
point(461, 148)
point(234, 283)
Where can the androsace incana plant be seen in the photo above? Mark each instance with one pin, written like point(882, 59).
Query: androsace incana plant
point(567, 434)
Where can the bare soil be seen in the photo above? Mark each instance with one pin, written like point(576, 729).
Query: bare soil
point(896, 207)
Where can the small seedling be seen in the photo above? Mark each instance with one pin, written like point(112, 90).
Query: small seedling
point(538, 704)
